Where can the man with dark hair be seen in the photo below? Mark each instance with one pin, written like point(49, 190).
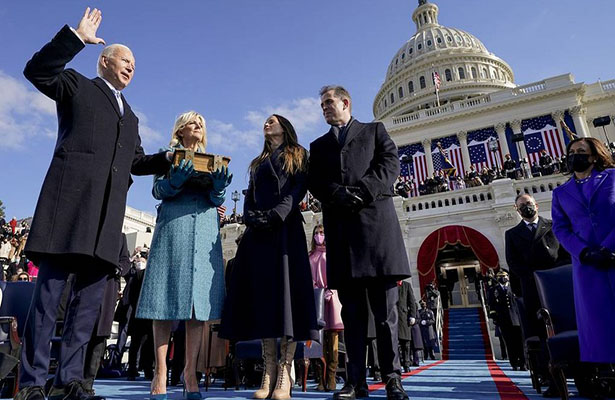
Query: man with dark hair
point(78, 219)
point(352, 171)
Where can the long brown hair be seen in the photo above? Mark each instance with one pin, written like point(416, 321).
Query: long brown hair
point(598, 150)
point(293, 154)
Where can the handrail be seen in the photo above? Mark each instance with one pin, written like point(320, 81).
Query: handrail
point(483, 302)
point(439, 324)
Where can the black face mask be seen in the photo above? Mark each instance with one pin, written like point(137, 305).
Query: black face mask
point(578, 162)
point(503, 280)
point(528, 210)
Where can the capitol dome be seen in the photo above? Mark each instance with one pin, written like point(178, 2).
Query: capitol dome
point(465, 66)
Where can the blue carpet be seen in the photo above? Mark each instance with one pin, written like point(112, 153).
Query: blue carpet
point(465, 339)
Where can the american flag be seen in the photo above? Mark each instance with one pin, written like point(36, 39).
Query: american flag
point(452, 150)
point(436, 80)
point(478, 147)
point(541, 134)
point(415, 165)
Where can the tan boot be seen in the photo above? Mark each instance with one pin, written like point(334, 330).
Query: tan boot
point(285, 384)
point(270, 369)
point(332, 359)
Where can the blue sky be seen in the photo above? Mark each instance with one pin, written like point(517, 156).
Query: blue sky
point(238, 61)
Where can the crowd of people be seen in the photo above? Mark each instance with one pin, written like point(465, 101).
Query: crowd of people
point(440, 181)
point(14, 263)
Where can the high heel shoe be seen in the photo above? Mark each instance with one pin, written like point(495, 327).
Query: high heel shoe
point(162, 396)
point(191, 395)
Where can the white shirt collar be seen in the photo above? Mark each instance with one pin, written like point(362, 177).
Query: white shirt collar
point(113, 89)
point(534, 221)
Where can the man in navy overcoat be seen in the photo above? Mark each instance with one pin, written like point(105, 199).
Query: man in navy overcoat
point(80, 210)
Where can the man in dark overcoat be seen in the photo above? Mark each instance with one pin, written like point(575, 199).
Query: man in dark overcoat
point(503, 310)
point(352, 171)
point(531, 246)
point(80, 210)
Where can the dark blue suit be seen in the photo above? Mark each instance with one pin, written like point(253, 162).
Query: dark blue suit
point(582, 219)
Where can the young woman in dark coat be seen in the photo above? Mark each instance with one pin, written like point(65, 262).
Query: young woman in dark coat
point(270, 293)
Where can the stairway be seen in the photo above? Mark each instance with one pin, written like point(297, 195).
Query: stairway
point(464, 335)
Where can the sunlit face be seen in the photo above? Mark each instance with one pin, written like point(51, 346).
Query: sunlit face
point(319, 231)
point(525, 199)
point(335, 110)
point(191, 132)
point(118, 68)
point(272, 128)
point(581, 147)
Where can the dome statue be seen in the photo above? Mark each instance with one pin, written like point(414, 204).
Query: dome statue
point(463, 64)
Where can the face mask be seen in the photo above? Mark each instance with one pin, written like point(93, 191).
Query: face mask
point(319, 238)
point(140, 265)
point(578, 162)
point(503, 281)
point(527, 210)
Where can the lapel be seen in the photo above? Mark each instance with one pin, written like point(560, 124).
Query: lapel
point(331, 137)
point(352, 130)
point(524, 231)
point(541, 229)
point(571, 190)
point(596, 182)
point(110, 96)
point(280, 179)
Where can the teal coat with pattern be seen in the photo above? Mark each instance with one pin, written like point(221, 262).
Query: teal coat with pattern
point(185, 270)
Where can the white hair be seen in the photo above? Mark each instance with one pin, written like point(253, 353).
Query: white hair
point(108, 52)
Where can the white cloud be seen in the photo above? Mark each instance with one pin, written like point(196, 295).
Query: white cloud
point(151, 138)
point(304, 114)
point(24, 113)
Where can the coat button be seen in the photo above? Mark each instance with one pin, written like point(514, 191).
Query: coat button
point(119, 145)
point(114, 169)
point(121, 123)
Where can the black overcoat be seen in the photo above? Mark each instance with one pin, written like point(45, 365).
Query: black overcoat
point(527, 252)
point(81, 205)
point(112, 288)
point(367, 243)
point(270, 290)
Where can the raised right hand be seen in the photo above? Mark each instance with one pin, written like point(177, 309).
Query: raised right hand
point(181, 173)
point(89, 25)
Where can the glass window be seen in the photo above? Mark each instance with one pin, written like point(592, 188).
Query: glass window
point(439, 40)
point(400, 92)
point(420, 46)
point(410, 87)
point(422, 82)
point(410, 50)
point(462, 73)
point(429, 43)
point(392, 98)
point(473, 73)
point(448, 75)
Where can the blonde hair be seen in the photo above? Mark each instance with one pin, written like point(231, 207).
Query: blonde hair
point(181, 122)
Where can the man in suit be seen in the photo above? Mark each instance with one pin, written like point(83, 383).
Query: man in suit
point(352, 171)
point(532, 246)
point(79, 215)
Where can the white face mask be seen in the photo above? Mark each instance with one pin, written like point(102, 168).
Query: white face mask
point(140, 265)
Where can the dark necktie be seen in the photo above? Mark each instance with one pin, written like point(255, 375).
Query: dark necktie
point(341, 135)
point(532, 227)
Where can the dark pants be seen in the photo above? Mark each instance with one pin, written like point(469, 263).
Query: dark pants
point(514, 344)
point(383, 303)
point(93, 357)
point(87, 292)
point(404, 353)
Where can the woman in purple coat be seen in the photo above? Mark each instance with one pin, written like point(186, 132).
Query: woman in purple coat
point(583, 214)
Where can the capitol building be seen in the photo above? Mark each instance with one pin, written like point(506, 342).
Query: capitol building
point(455, 235)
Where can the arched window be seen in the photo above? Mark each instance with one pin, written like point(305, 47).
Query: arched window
point(483, 73)
point(400, 92)
point(462, 73)
point(449, 76)
point(392, 98)
point(385, 102)
point(473, 73)
point(422, 82)
point(410, 87)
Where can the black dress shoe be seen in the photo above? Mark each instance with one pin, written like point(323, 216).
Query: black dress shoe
point(395, 390)
point(346, 393)
point(361, 391)
point(31, 393)
point(76, 391)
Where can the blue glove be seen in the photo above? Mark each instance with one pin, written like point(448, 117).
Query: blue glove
point(221, 178)
point(181, 173)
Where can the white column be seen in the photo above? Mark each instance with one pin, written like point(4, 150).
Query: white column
point(500, 129)
point(558, 116)
point(580, 125)
point(427, 149)
point(465, 154)
point(525, 167)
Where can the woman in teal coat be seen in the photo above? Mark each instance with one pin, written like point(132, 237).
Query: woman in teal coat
point(184, 278)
